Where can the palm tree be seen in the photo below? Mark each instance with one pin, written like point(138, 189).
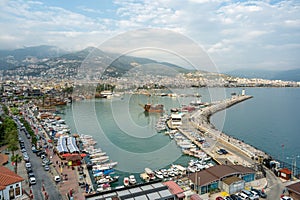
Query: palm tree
point(16, 159)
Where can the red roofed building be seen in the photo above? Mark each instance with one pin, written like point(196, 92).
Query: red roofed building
point(285, 173)
point(294, 190)
point(10, 184)
point(175, 189)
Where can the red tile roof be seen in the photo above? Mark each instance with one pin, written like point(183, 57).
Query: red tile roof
point(8, 177)
point(3, 159)
point(173, 187)
point(286, 171)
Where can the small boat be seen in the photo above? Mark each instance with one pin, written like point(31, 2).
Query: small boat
point(165, 173)
point(99, 159)
point(145, 177)
point(132, 180)
point(96, 155)
point(159, 174)
point(150, 173)
point(108, 179)
point(103, 187)
point(126, 181)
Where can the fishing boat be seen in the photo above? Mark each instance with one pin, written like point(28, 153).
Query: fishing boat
point(157, 108)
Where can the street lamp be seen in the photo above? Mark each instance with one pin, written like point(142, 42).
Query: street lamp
point(294, 163)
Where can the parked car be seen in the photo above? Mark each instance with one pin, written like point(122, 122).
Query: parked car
point(255, 195)
point(29, 170)
point(31, 174)
point(32, 180)
point(26, 158)
point(235, 197)
point(27, 164)
point(286, 198)
point(243, 196)
point(219, 198)
point(46, 167)
point(260, 193)
point(250, 195)
point(228, 198)
point(56, 178)
point(222, 151)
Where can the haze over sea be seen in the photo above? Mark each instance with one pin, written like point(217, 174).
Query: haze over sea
point(268, 121)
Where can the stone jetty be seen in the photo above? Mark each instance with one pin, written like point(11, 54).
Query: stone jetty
point(201, 121)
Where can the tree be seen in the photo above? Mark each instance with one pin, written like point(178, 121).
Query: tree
point(12, 143)
point(16, 159)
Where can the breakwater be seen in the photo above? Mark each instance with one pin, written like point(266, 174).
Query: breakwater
point(200, 120)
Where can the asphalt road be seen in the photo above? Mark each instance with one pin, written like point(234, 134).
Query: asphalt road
point(275, 186)
point(42, 176)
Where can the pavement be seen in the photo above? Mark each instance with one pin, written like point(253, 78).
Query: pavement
point(70, 178)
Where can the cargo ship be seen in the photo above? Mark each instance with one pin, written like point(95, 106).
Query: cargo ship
point(157, 108)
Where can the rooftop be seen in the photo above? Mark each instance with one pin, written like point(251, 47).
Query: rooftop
point(231, 180)
point(8, 177)
point(145, 191)
point(295, 187)
point(218, 172)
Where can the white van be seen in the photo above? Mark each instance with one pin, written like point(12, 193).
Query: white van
point(32, 181)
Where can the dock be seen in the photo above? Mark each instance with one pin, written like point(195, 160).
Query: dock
point(239, 152)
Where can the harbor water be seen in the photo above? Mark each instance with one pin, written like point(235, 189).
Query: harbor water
point(269, 121)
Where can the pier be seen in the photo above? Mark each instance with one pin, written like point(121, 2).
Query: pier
point(238, 151)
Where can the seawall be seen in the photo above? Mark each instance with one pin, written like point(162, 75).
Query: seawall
point(200, 120)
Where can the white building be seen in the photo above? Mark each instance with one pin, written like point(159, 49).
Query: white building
point(10, 184)
point(176, 120)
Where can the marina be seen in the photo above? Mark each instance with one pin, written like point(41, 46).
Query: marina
point(202, 145)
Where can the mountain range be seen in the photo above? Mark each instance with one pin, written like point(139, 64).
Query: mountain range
point(45, 60)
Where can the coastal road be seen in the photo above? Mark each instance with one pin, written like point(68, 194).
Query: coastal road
point(42, 176)
point(275, 186)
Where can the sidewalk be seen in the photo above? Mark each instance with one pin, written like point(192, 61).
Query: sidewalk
point(70, 178)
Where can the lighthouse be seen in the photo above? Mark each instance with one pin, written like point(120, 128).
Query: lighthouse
point(243, 92)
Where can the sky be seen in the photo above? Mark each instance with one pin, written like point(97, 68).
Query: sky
point(234, 34)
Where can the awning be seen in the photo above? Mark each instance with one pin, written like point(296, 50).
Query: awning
point(180, 195)
point(67, 155)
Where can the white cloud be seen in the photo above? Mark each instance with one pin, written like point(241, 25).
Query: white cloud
point(234, 33)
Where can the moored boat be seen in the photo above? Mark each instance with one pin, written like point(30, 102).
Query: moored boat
point(126, 181)
point(150, 173)
point(157, 108)
point(132, 180)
